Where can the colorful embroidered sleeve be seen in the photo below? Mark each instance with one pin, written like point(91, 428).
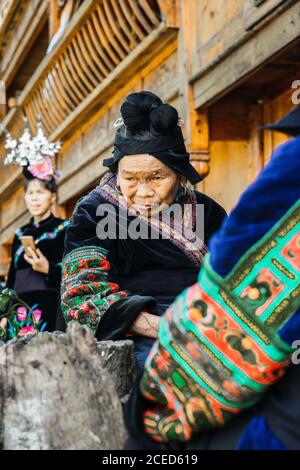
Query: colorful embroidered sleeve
point(218, 347)
point(86, 290)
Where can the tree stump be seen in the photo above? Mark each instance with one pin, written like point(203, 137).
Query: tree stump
point(56, 392)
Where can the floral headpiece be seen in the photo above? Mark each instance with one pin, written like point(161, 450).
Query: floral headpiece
point(32, 152)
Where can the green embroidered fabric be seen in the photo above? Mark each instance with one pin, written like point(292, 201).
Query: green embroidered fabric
point(218, 346)
point(85, 290)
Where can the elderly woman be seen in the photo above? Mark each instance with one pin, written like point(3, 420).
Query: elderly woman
point(125, 261)
point(228, 339)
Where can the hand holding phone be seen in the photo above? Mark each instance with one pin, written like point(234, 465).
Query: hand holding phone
point(28, 242)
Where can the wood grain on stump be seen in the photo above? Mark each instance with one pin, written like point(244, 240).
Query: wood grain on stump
point(56, 392)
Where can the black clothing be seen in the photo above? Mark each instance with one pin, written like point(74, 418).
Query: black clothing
point(34, 287)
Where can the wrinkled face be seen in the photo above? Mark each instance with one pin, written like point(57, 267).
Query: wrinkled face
point(146, 183)
point(38, 199)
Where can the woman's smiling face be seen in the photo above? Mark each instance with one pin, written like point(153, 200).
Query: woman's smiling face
point(38, 198)
point(146, 183)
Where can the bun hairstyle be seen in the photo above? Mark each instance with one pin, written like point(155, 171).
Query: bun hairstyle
point(148, 126)
point(49, 183)
point(146, 112)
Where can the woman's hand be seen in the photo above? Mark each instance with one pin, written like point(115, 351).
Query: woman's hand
point(146, 324)
point(38, 261)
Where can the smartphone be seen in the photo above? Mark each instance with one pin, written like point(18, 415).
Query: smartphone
point(28, 242)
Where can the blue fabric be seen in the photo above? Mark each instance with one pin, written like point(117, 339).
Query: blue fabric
point(271, 195)
point(263, 203)
point(142, 347)
point(259, 436)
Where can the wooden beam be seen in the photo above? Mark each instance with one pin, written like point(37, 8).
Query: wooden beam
point(5, 256)
point(53, 18)
point(243, 62)
point(170, 12)
point(195, 122)
point(30, 28)
point(8, 232)
point(6, 12)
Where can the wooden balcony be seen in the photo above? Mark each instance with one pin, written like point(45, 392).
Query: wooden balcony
point(7, 8)
point(106, 42)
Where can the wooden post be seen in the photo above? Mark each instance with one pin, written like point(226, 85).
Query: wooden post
point(195, 121)
point(170, 12)
point(2, 100)
point(53, 18)
point(5, 255)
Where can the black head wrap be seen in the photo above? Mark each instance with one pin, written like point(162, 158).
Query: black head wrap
point(150, 126)
point(290, 124)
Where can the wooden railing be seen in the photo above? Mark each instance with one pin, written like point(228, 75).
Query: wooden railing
point(112, 29)
point(7, 8)
point(102, 41)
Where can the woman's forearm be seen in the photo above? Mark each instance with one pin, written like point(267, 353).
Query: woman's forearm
point(146, 324)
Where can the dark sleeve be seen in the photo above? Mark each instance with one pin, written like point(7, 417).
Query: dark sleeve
point(53, 277)
point(12, 271)
point(214, 215)
point(88, 293)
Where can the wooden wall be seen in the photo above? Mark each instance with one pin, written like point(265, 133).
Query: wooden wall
point(203, 72)
point(238, 149)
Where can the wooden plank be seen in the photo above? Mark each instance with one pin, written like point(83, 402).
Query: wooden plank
point(132, 39)
point(79, 17)
point(53, 18)
point(83, 83)
point(115, 26)
point(5, 257)
point(79, 67)
point(101, 42)
point(67, 91)
point(140, 15)
point(256, 162)
point(101, 69)
point(112, 41)
point(93, 59)
point(31, 26)
point(244, 61)
point(69, 79)
point(254, 13)
point(84, 61)
point(149, 12)
point(8, 232)
point(228, 175)
point(6, 12)
point(170, 11)
point(153, 43)
point(12, 207)
point(135, 28)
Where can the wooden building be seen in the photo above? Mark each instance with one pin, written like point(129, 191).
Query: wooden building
point(227, 65)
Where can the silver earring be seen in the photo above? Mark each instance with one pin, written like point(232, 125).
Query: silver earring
point(184, 189)
point(118, 189)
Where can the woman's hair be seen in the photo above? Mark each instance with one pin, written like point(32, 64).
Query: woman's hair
point(49, 184)
point(146, 112)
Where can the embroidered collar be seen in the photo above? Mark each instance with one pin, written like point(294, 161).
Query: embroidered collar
point(42, 222)
point(46, 235)
point(195, 250)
